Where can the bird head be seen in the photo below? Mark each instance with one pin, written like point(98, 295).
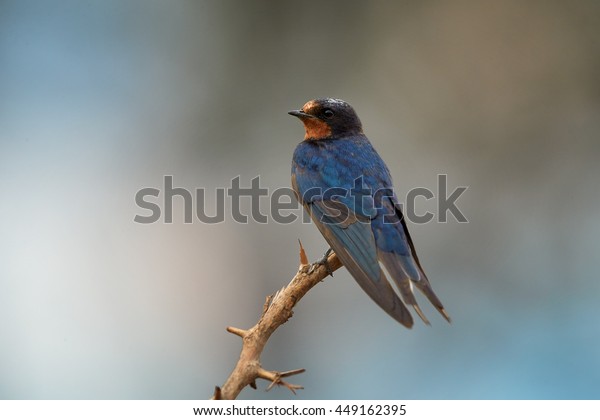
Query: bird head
point(328, 118)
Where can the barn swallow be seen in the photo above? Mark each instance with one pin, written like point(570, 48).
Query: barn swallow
point(345, 186)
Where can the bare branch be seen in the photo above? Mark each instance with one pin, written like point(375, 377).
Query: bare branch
point(276, 311)
point(275, 378)
point(237, 331)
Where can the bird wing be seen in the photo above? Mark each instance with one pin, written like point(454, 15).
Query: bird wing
point(350, 236)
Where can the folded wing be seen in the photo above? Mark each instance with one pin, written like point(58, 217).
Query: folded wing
point(351, 237)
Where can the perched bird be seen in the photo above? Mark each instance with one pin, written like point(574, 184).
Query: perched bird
point(347, 189)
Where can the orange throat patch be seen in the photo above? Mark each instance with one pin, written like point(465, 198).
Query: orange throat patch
point(316, 129)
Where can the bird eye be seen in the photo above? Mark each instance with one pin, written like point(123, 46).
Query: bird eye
point(328, 113)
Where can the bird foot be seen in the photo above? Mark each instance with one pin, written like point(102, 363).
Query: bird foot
point(323, 261)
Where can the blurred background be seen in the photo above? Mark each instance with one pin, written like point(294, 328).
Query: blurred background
point(99, 99)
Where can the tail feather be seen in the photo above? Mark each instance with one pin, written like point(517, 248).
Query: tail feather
point(422, 283)
point(402, 280)
point(425, 288)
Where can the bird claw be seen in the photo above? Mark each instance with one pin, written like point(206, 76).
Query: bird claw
point(323, 261)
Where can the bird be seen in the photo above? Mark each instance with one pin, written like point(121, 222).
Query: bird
point(346, 188)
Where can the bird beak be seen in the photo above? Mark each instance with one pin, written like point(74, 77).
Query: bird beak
point(300, 114)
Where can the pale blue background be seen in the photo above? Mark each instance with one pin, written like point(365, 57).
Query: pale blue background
point(101, 98)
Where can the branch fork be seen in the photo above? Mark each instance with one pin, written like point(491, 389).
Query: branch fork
point(277, 309)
